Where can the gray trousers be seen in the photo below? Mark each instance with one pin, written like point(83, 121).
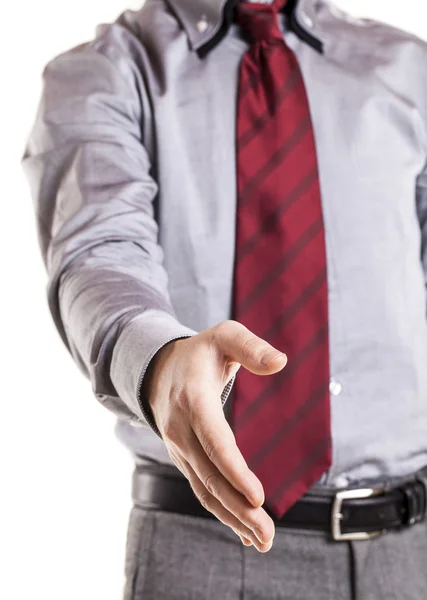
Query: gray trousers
point(180, 557)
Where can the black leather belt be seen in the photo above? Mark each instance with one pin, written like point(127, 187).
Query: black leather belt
point(349, 514)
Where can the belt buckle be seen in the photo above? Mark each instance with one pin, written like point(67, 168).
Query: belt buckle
point(337, 515)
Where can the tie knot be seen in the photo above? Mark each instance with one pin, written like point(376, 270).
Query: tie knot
point(259, 20)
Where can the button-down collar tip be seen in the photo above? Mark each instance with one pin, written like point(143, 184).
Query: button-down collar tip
point(211, 24)
point(202, 24)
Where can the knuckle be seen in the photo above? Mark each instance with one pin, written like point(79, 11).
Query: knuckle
point(211, 449)
point(221, 328)
point(205, 500)
point(253, 522)
point(195, 399)
point(178, 396)
point(214, 450)
point(171, 432)
point(252, 347)
point(176, 462)
point(215, 334)
point(212, 484)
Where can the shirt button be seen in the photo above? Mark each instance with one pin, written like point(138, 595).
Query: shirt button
point(202, 25)
point(341, 481)
point(335, 387)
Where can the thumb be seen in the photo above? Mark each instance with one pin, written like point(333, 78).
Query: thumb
point(237, 342)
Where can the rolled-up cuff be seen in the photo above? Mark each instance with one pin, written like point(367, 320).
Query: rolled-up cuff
point(138, 343)
point(136, 346)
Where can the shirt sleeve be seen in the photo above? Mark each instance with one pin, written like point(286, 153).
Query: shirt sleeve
point(94, 197)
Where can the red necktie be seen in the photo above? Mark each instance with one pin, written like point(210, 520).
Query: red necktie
point(282, 421)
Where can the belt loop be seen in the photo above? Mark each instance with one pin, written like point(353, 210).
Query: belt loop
point(423, 481)
point(415, 493)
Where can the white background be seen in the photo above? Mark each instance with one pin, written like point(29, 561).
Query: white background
point(64, 479)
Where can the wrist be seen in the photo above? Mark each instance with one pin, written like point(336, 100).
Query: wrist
point(154, 368)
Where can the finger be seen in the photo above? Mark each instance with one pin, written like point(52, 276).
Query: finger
point(180, 465)
point(237, 342)
point(245, 541)
point(195, 481)
point(219, 444)
point(178, 461)
point(210, 503)
point(256, 519)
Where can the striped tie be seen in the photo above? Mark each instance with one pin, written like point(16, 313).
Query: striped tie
point(282, 421)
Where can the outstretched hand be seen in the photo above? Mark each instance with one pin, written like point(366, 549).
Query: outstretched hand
point(183, 385)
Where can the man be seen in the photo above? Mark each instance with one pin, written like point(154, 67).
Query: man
point(232, 208)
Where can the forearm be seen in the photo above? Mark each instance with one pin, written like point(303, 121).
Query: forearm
point(93, 193)
point(115, 322)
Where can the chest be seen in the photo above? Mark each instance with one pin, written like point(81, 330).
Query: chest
point(367, 142)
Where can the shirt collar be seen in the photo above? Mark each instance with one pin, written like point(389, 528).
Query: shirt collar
point(206, 21)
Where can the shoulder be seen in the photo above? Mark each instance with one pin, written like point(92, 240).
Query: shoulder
point(123, 44)
point(368, 36)
point(376, 51)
